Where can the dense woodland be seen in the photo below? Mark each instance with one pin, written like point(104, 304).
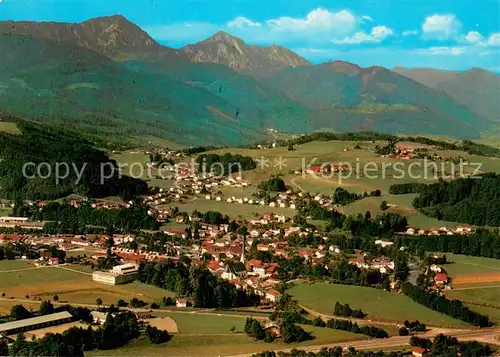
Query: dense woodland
point(206, 290)
point(74, 220)
point(474, 201)
point(53, 148)
point(224, 164)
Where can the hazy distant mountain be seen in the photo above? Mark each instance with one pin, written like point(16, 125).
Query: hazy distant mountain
point(222, 48)
point(476, 88)
point(106, 75)
point(375, 98)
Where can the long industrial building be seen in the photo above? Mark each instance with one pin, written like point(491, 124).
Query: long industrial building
point(35, 323)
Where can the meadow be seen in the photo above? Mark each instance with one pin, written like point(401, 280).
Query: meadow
point(378, 304)
point(214, 344)
point(71, 284)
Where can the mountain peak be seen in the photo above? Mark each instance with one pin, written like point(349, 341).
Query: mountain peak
point(344, 67)
point(109, 35)
point(223, 36)
point(224, 48)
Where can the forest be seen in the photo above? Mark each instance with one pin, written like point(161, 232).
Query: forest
point(205, 289)
point(474, 201)
point(66, 218)
point(30, 162)
point(224, 165)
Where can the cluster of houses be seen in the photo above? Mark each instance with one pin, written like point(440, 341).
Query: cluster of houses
point(462, 230)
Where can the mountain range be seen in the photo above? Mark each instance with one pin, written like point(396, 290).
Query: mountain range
point(107, 76)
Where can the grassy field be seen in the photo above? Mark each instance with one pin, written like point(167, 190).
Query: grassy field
point(231, 209)
point(489, 296)
point(188, 323)
point(378, 304)
point(6, 265)
point(72, 286)
point(469, 265)
point(9, 128)
point(222, 345)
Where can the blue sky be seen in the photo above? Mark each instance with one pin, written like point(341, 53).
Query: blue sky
point(457, 34)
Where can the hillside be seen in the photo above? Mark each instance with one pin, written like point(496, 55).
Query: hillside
point(377, 99)
point(466, 200)
point(53, 146)
point(106, 75)
point(222, 48)
point(476, 88)
point(57, 83)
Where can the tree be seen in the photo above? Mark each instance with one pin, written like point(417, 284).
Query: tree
point(55, 298)
point(403, 331)
point(4, 348)
point(156, 335)
point(98, 301)
point(46, 308)
point(19, 312)
point(384, 205)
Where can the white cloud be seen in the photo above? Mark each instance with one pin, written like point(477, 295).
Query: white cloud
point(410, 33)
point(442, 50)
point(366, 18)
point(243, 22)
point(494, 39)
point(441, 27)
point(376, 35)
point(318, 19)
point(473, 37)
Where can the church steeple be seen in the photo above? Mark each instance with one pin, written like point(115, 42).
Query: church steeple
point(242, 259)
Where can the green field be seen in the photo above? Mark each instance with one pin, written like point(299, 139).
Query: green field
point(195, 323)
point(72, 284)
point(378, 304)
point(222, 345)
point(469, 265)
point(6, 265)
point(489, 296)
point(233, 210)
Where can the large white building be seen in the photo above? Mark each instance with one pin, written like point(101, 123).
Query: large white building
point(120, 274)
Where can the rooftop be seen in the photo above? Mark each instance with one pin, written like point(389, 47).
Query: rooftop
point(35, 320)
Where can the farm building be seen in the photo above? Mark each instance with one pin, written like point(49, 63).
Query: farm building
point(35, 323)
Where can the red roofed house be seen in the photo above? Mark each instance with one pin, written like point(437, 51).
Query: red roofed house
point(273, 295)
point(419, 352)
point(181, 302)
point(441, 278)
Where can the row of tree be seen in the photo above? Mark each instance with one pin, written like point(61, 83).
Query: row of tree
point(447, 346)
point(406, 188)
point(346, 311)
point(482, 243)
point(453, 308)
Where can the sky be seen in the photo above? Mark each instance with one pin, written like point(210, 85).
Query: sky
point(445, 34)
